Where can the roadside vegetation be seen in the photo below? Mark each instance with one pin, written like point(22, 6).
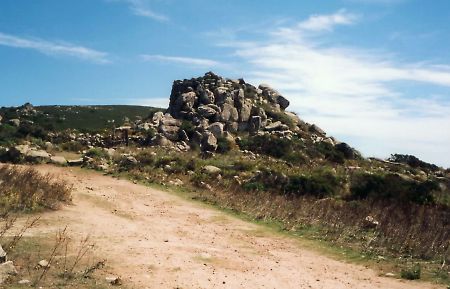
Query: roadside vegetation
point(386, 217)
point(51, 260)
point(24, 189)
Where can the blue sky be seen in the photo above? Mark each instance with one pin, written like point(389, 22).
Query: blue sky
point(374, 73)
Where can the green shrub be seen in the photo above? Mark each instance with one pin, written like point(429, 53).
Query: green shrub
point(319, 185)
point(267, 144)
point(8, 134)
point(413, 162)
point(200, 177)
point(411, 273)
point(145, 158)
point(149, 135)
point(97, 153)
point(330, 152)
point(244, 166)
point(177, 164)
point(392, 186)
point(223, 145)
point(188, 127)
point(254, 186)
point(29, 129)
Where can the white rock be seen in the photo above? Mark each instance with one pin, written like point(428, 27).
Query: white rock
point(58, 160)
point(7, 269)
point(43, 263)
point(212, 170)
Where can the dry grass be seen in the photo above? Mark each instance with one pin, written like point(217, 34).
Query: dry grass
point(25, 189)
point(404, 229)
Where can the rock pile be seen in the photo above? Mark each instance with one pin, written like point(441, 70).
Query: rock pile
point(216, 107)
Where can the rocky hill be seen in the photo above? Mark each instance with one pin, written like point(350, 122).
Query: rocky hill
point(207, 109)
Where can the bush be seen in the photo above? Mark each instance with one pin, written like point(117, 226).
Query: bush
point(177, 164)
point(8, 134)
point(254, 186)
point(412, 161)
point(29, 129)
point(223, 145)
point(243, 166)
point(411, 273)
point(267, 144)
point(72, 146)
point(149, 135)
point(319, 185)
point(27, 190)
point(188, 127)
point(330, 152)
point(97, 153)
point(145, 158)
point(392, 186)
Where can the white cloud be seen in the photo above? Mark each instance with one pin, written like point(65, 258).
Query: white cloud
point(383, 2)
point(54, 48)
point(351, 92)
point(141, 8)
point(160, 102)
point(327, 22)
point(198, 62)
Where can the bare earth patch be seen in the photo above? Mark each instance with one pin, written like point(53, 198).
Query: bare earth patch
point(153, 239)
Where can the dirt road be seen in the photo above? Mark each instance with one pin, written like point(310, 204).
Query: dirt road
point(153, 239)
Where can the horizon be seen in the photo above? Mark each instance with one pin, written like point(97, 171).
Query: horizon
point(372, 73)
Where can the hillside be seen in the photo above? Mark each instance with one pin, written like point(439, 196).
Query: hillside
point(236, 146)
point(91, 118)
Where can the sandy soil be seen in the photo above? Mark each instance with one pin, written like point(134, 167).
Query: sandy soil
point(153, 239)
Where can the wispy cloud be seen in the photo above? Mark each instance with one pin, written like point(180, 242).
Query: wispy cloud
point(314, 25)
point(327, 22)
point(353, 92)
point(54, 48)
point(198, 62)
point(383, 2)
point(142, 8)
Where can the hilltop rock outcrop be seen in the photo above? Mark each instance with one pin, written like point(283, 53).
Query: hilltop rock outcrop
point(216, 107)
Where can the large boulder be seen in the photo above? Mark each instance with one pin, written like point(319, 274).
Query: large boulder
point(222, 95)
point(283, 102)
point(347, 150)
point(170, 127)
point(211, 170)
point(315, 129)
point(245, 111)
point(58, 160)
point(208, 111)
point(255, 123)
point(157, 117)
point(206, 96)
point(229, 113)
point(14, 122)
point(216, 129)
point(276, 126)
point(161, 140)
point(209, 142)
point(75, 162)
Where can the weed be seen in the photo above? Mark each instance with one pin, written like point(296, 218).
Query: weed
point(412, 273)
point(25, 189)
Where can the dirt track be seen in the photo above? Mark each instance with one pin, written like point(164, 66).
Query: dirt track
point(153, 239)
